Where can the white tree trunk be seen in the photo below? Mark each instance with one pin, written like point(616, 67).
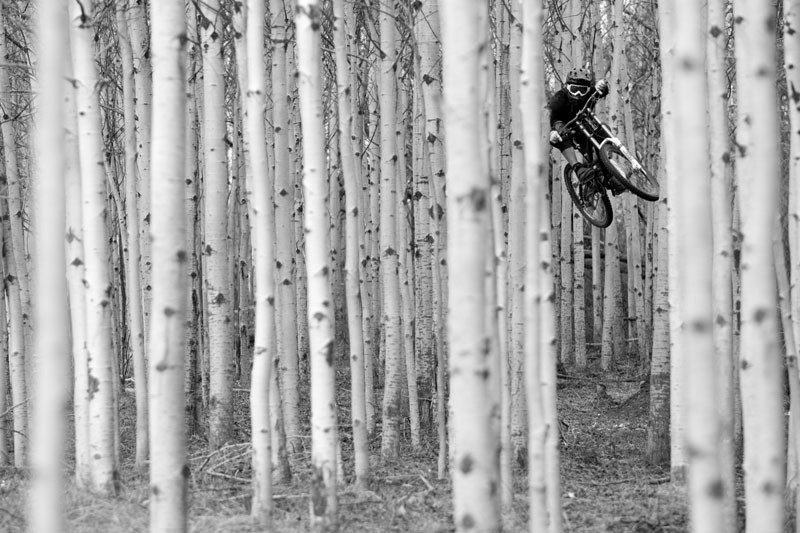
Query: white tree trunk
point(102, 439)
point(677, 427)
point(215, 196)
point(285, 264)
point(342, 39)
point(722, 289)
point(389, 247)
point(759, 174)
point(323, 502)
point(52, 341)
point(475, 442)
point(73, 237)
point(695, 270)
point(262, 231)
point(169, 470)
point(132, 271)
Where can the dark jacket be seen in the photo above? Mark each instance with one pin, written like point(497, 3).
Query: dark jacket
point(563, 108)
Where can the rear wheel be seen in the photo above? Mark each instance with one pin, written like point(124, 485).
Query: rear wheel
point(589, 197)
point(639, 182)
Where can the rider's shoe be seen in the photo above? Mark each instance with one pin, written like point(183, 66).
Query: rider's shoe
point(615, 187)
point(583, 172)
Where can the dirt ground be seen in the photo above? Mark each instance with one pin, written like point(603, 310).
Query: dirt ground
point(606, 487)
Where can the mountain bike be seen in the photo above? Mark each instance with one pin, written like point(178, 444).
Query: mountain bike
point(611, 167)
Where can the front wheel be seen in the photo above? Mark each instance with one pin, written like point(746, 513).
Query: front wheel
point(589, 197)
point(639, 182)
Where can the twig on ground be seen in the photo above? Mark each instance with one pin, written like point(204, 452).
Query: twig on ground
point(651, 481)
point(427, 483)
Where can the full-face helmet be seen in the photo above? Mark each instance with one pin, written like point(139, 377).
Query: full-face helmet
point(579, 82)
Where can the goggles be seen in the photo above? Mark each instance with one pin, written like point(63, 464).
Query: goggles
point(577, 90)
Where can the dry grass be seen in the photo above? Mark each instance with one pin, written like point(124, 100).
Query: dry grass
point(606, 485)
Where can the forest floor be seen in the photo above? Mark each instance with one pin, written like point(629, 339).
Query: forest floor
point(606, 484)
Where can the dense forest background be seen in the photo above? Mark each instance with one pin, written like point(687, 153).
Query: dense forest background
point(312, 265)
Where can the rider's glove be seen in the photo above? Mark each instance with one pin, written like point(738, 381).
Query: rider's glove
point(555, 137)
point(601, 87)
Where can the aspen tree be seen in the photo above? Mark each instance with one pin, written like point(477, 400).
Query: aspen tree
point(102, 438)
point(285, 264)
point(6, 429)
point(75, 260)
point(516, 244)
point(678, 456)
point(426, 33)
point(758, 175)
point(15, 191)
point(658, 426)
point(791, 43)
point(475, 444)
point(792, 375)
point(722, 242)
point(499, 258)
point(262, 231)
point(695, 234)
point(169, 470)
point(16, 350)
point(46, 511)
point(423, 239)
point(323, 501)
point(353, 227)
point(143, 80)
point(132, 272)
point(389, 250)
point(532, 99)
point(215, 247)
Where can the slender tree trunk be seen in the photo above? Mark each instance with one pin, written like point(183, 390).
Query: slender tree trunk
point(15, 192)
point(389, 249)
point(695, 270)
point(102, 438)
point(76, 273)
point(216, 274)
point(285, 264)
point(516, 247)
point(323, 502)
point(143, 79)
point(678, 457)
point(262, 231)
point(169, 470)
point(52, 341)
point(531, 98)
point(475, 445)
point(759, 173)
point(136, 325)
point(342, 39)
point(721, 175)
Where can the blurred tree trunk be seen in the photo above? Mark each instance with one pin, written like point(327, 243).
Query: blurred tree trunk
point(722, 290)
point(695, 269)
point(51, 342)
point(759, 174)
point(168, 465)
point(475, 442)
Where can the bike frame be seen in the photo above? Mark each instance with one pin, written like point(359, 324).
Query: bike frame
point(591, 127)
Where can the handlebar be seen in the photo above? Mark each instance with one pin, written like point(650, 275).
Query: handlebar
point(585, 107)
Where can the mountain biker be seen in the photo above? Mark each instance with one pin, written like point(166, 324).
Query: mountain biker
point(565, 104)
